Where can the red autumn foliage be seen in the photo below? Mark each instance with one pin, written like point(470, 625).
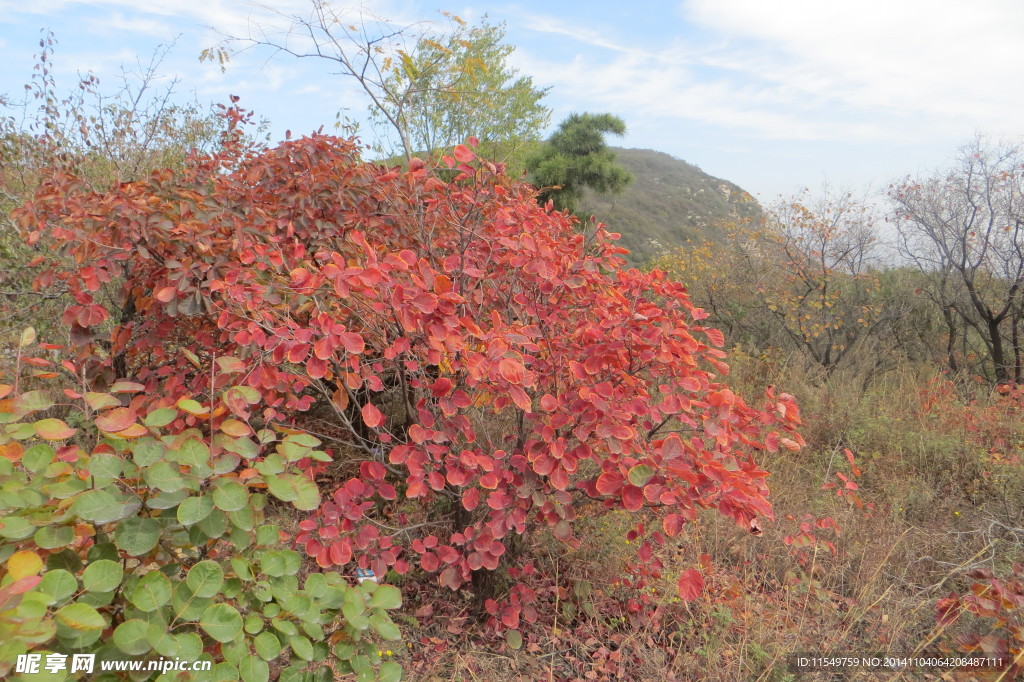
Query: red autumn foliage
point(468, 343)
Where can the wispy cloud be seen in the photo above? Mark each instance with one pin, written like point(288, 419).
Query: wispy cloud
point(807, 70)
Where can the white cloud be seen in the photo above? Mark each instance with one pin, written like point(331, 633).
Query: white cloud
point(949, 64)
point(871, 70)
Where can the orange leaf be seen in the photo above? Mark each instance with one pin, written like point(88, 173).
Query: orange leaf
point(117, 419)
point(372, 416)
point(511, 370)
point(166, 294)
point(53, 429)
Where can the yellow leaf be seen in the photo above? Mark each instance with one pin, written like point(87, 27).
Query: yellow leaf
point(23, 564)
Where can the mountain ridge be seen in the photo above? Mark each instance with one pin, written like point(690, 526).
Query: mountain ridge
point(669, 202)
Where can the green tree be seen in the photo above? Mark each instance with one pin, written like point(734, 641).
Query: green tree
point(576, 157)
point(460, 85)
point(427, 89)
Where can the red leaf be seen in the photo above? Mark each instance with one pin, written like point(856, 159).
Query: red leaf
point(166, 295)
point(511, 370)
point(632, 498)
point(510, 617)
point(450, 578)
point(691, 584)
point(298, 353)
point(429, 562)
point(520, 398)
point(463, 154)
point(117, 419)
point(672, 524)
point(316, 368)
point(323, 348)
point(353, 342)
point(341, 552)
point(372, 416)
point(609, 482)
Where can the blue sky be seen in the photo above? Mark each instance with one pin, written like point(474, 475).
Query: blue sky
point(771, 94)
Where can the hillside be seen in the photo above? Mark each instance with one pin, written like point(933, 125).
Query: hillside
point(669, 202)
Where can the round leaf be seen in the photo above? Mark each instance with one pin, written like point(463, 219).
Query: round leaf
point(640, 474)
point(194, 509)
point(222, 622)
point(59, 584)
point(254, 669)
point(54, 537)
point(386, 597)
point(152, 592)
point(137, 536)
point(117, 419)
point(81, 617)
point(131, 637)
point(268, 646)
point(230, 496)
point(102, 576)
point(53, 429)
point(205, 578)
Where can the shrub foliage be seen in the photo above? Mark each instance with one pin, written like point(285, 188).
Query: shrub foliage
point(481, 367)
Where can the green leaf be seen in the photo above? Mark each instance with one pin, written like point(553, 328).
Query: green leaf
point(193, 453)
point(152, 592)
point(307, 495)
point(32, 401)
point(354, 609)
point(205, 578)
point(64, 559)
point(16, 528)
point(164, 500)
point(302, 647)
point(161, 417)
point(268, 535)
point(390, 671)
point(245, 519)
point(102, 576)
point(94, 505)
point(386, 597)
point(281, 486)
point(254, 669)
point(222, 622)
point(163, 476)
point(194, 509)
point(59, 584)
point(514, 639)
point(383, 626)
point(146, 451)
point(230, 496)
point(131, 637)
point(37, 457)
point(105, 465)
point(242, 568)
point(640, 474)
point(268, 646)
point(100, 506)
point(54, 537)
point(214, 525)
point(137, 536)
point(79, 617)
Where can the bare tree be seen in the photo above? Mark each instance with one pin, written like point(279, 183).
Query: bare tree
point(964, 228)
